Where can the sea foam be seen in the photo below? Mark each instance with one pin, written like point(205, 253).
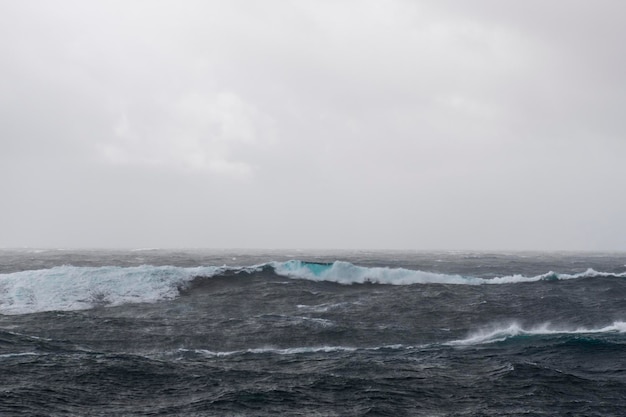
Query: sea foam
point(67, 288)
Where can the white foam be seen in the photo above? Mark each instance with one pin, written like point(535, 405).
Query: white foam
point(317, 321)
point(67, 288)
point(325, 307)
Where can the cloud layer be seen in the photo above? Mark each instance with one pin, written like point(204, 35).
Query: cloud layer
point(369, 124)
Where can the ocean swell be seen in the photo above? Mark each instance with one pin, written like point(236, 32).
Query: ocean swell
point(347, 273)
point(66, 288)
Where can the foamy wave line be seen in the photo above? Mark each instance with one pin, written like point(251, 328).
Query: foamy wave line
point(500, 334)
point(275, 351)
point(13, 355)
point(67, 288)
point(291, 351)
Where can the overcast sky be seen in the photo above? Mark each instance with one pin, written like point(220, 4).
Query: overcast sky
point(387, 124)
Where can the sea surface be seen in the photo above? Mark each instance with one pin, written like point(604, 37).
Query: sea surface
point(311, 333)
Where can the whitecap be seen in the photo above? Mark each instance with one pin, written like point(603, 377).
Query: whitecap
point(67, 288)
point(502, 333)
point(347, 273)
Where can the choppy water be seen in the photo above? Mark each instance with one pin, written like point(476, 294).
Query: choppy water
point(201, 333)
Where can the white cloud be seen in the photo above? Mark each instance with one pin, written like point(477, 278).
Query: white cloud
point(196, 132)
point(387, 123)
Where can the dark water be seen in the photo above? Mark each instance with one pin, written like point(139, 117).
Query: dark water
point(201, 333)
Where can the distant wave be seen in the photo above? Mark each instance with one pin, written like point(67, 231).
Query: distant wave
point(496, 334)
point(500, 334)
point(301, 350)
point(275, 351)
point(67, 288)
point(347, 273)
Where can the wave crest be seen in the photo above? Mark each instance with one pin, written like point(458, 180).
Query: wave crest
point(66, 288)
point(500, 334)
point(347, 273)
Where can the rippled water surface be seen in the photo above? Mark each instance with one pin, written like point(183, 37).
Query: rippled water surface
point(195, 333)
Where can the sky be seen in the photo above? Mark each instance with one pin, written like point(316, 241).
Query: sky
point(363, 124)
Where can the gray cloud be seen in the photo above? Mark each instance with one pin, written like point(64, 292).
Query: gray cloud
point(380, 124)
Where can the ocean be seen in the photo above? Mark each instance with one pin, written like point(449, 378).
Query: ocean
point(311, 333)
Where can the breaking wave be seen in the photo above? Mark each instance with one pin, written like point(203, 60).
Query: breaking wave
point(67, 288)
point(500, 334)
point(494, 335)
point(347, 273)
